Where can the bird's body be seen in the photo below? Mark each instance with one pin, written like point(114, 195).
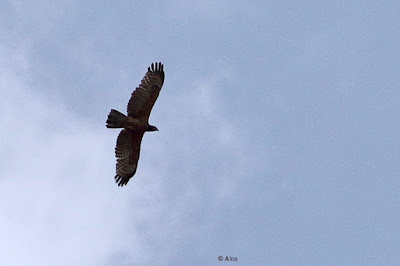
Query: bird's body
point(119, 120)
point(136, 123)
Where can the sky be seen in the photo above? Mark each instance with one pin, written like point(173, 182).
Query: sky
point(277, 145)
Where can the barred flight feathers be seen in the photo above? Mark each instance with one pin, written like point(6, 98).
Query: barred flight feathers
point(127, 152)
point(144, 96)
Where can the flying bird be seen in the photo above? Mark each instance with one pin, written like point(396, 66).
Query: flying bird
point(136, 123)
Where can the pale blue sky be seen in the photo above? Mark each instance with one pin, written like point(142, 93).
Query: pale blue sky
point(278, 139)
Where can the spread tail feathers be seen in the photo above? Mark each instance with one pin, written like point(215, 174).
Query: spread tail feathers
point(115, 119)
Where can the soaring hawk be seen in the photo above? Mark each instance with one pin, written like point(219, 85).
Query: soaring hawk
point(135, 123)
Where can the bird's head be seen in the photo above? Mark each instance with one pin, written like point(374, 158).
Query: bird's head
point(152, 128)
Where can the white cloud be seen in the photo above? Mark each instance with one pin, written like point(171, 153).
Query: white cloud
point(59, 204)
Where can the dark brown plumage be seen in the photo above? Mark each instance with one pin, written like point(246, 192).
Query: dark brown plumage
point(136, 123)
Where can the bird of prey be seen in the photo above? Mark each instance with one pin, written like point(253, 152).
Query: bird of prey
point(136, 123)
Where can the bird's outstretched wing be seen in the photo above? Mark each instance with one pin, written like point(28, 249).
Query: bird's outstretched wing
point(144, 96)
point(127, 152)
